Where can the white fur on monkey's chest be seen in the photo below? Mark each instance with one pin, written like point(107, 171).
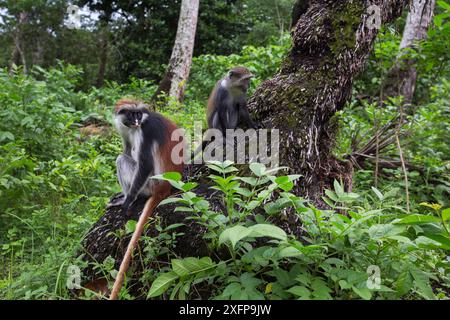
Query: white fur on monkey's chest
point(135, 138)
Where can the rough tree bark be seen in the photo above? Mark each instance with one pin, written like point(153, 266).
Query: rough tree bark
point(18, 54)
point(330, 43)
point(401, 78)
point(177, 73)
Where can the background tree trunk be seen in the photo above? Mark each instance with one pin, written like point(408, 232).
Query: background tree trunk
point(330, 43)
point(18, 54)
point(174, 81)
point(401, 78)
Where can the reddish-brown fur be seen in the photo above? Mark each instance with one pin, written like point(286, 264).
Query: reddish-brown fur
point(125, 101)
point(165, 160)
point(160, 192)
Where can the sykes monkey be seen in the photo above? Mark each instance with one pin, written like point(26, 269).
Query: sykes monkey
point(147, 152)
point(227, 103)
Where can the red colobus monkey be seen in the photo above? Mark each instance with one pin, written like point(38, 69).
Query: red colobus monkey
point(147, 152)
point(227, 104)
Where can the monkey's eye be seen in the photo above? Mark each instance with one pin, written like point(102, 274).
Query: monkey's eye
point(231, 74)
point(122, 111)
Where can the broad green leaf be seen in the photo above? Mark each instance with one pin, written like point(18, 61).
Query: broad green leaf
point(417, 219)
point(320, 289)
point(446, 214)
point(161, 284)
point(338, 188)
point(444, 5)
point(444, 241)
point(428, 243)
point(175, 176)
point(378, 193)
point(330, 194)
point(277, 206)
point(268, 230)
point(130, 226)
point(189, 186)
point(258, 169)
point(234, 234)
point(379, 231)
point(362, 292)
point(422, 284)
point(289, 252)
point(300, 292)
point(179, 268)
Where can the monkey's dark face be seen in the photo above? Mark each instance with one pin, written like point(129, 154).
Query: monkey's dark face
point(132, 118)
point(240, 81)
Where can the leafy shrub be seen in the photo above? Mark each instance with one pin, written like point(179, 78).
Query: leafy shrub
point(340, 254)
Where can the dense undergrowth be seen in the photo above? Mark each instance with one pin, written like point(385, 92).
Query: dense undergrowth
point(57, 172)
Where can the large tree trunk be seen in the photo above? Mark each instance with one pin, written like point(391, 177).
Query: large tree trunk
point(401, 78)
point(177, 73)
point(18, 53)
point(331, 42)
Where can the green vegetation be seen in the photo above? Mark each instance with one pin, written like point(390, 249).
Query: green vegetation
point(57, 173)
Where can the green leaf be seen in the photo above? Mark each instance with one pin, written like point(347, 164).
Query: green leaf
point(289, 252)
point(362, 292)
point(445, 214)
point(330, 194)
point(338, 188)
point(422, 284)
point(268, 230)
point(378, 193)
point(179, 268)
point(175, 176)
point(443, 240)
point(234, 234)
point(417, 219)
point(130, 226)
point(189, 186)
point(300, 291)
point(277, 206)
point(428, 243)
point(161, 284)
point(379, 231)
point(249, 180)
point(171, 200)
point(258, 169)
point(320, 289)
point(444, 5)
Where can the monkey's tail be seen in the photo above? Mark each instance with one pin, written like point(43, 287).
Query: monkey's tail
point(150, 205)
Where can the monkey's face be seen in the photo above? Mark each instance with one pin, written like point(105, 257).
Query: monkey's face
point(131, 118)
point(239, 81)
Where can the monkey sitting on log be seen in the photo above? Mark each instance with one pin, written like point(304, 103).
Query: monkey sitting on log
point(227, 103)
point(147, 152)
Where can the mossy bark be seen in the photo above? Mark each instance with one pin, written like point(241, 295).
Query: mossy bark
point(330, 44)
